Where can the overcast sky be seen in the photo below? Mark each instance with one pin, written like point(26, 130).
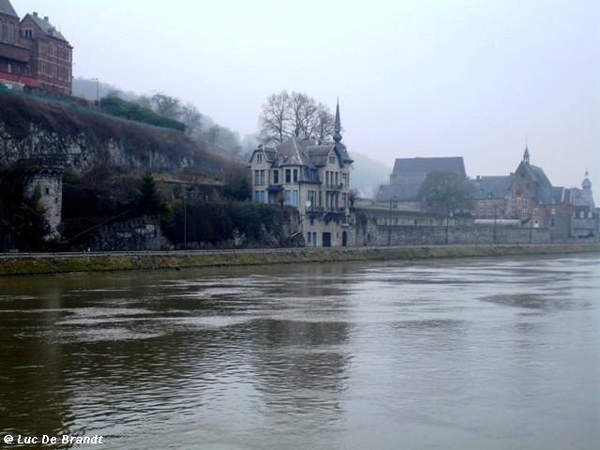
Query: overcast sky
point(415, 78)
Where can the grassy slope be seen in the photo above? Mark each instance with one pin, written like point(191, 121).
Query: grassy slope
point(101, 263)
point(67, 117)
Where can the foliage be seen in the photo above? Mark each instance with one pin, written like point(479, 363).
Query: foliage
point(200, 221)
point(445, 192)
point(23, 217)
point(237, 182)
point(294, 115)
point(131, 111)
point(149, 201)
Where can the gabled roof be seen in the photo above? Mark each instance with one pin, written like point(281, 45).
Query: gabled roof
point(292, 152)
point(491, 187)
point(544, 192)
point(48, 29)
point(424, 166)
point(7, 9)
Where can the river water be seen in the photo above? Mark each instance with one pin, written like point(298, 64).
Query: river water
point(457, 354)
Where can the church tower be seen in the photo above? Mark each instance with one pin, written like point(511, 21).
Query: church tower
point(586, 190)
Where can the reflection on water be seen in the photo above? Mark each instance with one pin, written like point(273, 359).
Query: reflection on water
point(463, 354)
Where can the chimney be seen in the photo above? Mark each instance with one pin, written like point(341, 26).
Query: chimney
point(46, 19)
point(35, 14)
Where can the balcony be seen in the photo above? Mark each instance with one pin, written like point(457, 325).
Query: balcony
point(14, 52)
point(334, 187)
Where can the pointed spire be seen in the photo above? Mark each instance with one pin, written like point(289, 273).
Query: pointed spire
point(526, 155)
point(587, 184)
point(337, 137)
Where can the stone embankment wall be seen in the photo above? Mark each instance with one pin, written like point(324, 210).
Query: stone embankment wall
point(143, 233)
point(19, 264)
point(371, 232)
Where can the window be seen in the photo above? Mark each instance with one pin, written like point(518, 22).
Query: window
point(288, 175)
point(536, 212)
point(295, 175)
point(28, 33)
point(276, 177)
point(331, 159)
point(11, 33)
point(291, 198)
point(9, 68)
point(259, 158)
point(259, 197)
point(259, 177)
point(1, 30)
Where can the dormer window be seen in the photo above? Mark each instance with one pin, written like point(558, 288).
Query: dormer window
point(259, 158)
point(331, 159)
point(11, 33)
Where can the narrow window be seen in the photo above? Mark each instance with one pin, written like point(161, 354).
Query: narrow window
point(11, 33)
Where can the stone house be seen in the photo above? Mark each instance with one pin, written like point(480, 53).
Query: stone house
point(312, 177)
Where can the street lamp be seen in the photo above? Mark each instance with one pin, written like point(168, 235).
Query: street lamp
point(392, 199)
point(495, 220)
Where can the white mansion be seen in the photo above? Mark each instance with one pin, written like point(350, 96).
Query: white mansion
point(314, 178)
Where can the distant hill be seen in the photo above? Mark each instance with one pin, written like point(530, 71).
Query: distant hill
point(368, 174)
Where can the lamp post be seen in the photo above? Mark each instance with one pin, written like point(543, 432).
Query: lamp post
point(184, 223)
point(495, 221)
point(390, 227)
point(530, 226)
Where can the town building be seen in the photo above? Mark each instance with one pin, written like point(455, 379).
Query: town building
point(33, 53)
point(408, 175)
point(312, 177)
point(525, 198)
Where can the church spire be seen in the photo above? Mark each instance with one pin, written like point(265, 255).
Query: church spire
point(337, 137)
point(526, 155)
point(587, 184)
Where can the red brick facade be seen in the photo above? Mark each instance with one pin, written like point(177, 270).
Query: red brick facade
point(33, 53)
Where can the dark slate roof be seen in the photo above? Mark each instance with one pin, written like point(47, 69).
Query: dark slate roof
point(544, 188)
point(319, 153)
point(7, 9)
point(292, 152)
point(420, 166)
point(47, 27)
point(409, 173)
point(491, 187)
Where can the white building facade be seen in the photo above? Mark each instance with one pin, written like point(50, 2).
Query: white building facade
point(313, 178)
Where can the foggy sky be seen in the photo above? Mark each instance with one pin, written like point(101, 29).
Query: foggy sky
point(415, 78)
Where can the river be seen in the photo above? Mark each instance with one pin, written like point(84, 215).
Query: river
point(497, 353)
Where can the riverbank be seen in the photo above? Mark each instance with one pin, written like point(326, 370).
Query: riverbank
point(43, 264)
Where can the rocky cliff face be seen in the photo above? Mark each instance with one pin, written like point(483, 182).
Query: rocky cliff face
point(30, 127)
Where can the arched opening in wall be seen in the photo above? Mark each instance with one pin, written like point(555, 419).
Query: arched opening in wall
point(344, 239)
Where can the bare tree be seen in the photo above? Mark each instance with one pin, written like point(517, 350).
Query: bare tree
point(167, 106)
point(192, 119)
point(298, 115)
point(275, 117)
point(324, 123)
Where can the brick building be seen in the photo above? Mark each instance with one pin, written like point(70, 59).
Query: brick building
point(33, 52)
